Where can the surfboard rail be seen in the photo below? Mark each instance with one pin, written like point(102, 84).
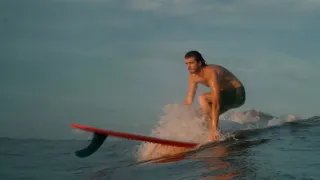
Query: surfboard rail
point(100, 135)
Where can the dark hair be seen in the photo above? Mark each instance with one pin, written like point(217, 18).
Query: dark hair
point(198, 57)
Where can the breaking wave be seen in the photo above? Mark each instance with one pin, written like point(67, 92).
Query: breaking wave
point(186, 123)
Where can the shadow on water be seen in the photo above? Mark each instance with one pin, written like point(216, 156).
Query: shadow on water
point(220, 160)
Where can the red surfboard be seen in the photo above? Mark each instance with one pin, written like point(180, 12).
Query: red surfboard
point(135, 136)
point(101, 134)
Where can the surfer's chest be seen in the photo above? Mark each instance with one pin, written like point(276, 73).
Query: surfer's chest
point(201, 80)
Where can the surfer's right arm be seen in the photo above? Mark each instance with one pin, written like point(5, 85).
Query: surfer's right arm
point(192, 87)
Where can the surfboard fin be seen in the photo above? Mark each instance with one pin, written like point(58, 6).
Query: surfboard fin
point(94, 145)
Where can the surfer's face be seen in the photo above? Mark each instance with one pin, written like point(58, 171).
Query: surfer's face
point(192, 65)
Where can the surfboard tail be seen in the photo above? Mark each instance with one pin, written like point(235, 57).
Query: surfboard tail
point(94, 145)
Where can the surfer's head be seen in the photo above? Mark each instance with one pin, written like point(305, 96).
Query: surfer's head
point(194, 61)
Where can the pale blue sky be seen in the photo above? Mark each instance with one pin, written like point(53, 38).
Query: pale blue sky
point(93, 62)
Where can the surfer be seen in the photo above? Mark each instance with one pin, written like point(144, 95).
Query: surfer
point(226, 90)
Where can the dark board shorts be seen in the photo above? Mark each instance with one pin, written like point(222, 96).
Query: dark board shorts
point(232, 98)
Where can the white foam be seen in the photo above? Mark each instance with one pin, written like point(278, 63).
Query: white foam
point(182, 123)
point(186, 123)
point(282, 119)
point(245, 117)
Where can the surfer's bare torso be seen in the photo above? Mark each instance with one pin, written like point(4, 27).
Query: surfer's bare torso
point(225, 78)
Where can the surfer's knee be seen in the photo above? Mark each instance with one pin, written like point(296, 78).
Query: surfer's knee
point(204, 102)
point(203, 99)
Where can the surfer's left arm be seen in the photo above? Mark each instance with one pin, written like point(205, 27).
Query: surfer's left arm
point(192, 87)
point(215, 95)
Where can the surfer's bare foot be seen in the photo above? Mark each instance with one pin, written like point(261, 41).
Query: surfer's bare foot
point(214, 136)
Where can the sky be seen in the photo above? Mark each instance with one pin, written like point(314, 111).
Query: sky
point(116, 64)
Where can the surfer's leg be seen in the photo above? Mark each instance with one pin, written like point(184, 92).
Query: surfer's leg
point(230, 99)
point(205, 101)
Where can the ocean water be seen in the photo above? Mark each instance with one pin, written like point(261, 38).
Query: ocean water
point(119, 65)
point(265, 149)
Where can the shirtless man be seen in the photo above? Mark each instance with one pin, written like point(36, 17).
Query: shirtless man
point(227, 91)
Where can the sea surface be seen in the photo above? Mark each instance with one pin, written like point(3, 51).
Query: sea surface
point(119, 65)
point(283, 150)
